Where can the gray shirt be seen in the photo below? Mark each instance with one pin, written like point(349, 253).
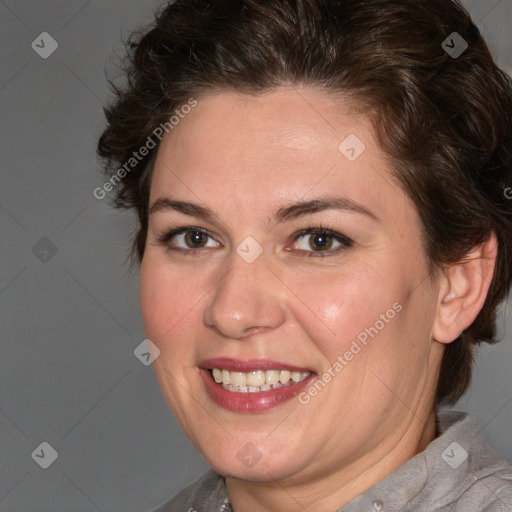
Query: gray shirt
point(457, 472)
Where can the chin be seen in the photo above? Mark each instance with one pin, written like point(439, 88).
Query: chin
point(252, 464)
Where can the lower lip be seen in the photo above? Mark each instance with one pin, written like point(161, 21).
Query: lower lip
point(251, 402)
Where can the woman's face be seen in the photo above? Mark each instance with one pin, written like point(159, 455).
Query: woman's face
point(249, 290)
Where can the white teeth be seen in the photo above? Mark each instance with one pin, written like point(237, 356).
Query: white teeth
point(256, 378)
point(226, 377)
point(272, 376)
point(284, 377)
point(259, 380)
point(238, 379)
point(295, 376)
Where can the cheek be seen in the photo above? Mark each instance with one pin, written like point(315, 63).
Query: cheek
point(169, 302)
point(153, 301)
point(354, 304)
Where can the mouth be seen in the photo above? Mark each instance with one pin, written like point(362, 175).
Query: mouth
point(252, 385)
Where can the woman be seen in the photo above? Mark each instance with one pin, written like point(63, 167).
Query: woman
point(324, 239)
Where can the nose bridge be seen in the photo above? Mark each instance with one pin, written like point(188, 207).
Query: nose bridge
point(246, 298)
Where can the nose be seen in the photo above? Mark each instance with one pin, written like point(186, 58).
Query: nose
point(249, 298)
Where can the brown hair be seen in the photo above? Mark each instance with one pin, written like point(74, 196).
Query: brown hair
point(444, 120)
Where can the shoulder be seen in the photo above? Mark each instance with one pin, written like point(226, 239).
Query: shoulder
point(206, 491)
point(489, 491)
point(465, 473)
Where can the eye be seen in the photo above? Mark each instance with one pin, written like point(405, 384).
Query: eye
point(313, 241)
point(186, 238)
point(321, 241)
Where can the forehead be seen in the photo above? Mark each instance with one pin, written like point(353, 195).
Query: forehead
point(289, 119)
point(262, 149)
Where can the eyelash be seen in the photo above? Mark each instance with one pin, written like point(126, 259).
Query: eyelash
point(345, 242)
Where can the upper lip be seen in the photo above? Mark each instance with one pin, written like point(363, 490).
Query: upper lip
point(248, 365)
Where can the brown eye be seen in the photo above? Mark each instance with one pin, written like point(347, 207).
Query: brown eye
point(195, 239)
point(321, 242)
point(187, 238)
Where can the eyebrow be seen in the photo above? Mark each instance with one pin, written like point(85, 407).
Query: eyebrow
point(283, 214)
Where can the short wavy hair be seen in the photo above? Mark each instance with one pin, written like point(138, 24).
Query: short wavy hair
point(443, 117)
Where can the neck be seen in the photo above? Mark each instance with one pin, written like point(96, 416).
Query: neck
point(333, 490)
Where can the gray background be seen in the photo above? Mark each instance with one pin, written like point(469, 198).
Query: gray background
point(68, 375)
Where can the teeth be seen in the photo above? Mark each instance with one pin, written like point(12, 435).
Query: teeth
point(226, 377)
point(238, 379)
point(272, 376)
point(295, 376)
point(256, 378)
point(284, 378)
point(260, 380)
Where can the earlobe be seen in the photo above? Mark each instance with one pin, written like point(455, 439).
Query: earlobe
point(463, 290)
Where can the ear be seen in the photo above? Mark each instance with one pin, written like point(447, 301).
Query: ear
point(463, 290)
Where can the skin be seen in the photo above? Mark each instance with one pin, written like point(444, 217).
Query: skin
point(244, 157)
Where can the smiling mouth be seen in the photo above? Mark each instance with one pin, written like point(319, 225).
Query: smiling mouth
point(257, 381)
